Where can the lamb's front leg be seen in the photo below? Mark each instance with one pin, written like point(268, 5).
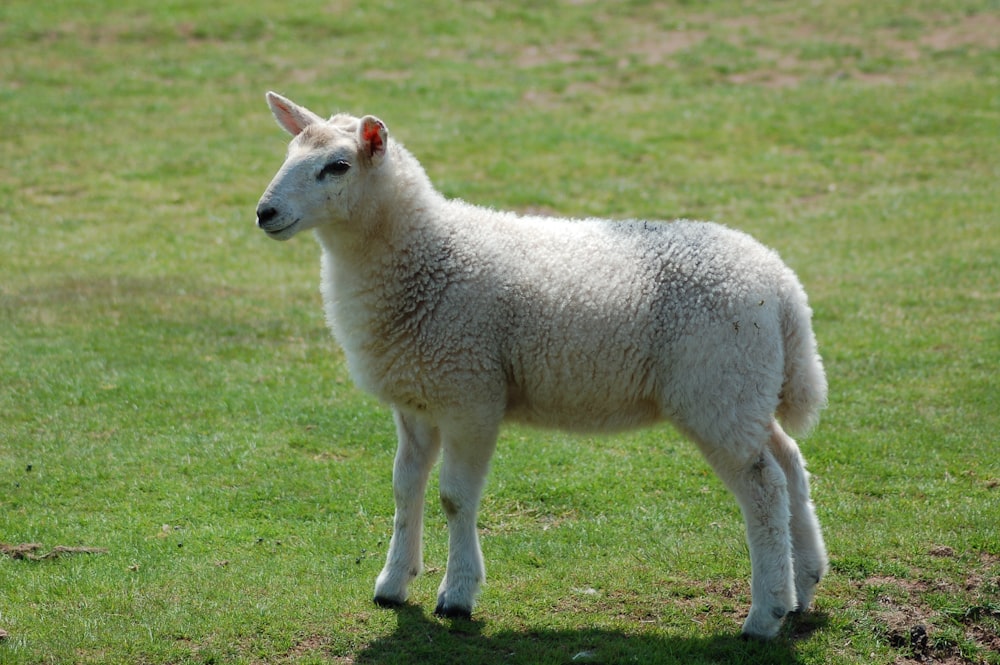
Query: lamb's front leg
point(419, 443)
point(465, 463)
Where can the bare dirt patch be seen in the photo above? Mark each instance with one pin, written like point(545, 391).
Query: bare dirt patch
point(315, 646)
point(310, 644)
point(908, 614)
point(29, 551)
point(975, 31)
point(809, 50)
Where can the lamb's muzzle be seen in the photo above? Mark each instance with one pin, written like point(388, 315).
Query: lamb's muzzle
point(264, 215)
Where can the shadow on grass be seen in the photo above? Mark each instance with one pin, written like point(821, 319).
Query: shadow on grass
point(420, 638)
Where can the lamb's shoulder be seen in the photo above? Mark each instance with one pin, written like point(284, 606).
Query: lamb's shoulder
point(415, 326)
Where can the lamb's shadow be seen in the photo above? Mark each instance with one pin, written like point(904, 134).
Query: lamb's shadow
point(424, 639)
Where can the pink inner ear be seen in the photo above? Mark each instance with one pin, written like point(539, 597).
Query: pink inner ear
point(371, 133)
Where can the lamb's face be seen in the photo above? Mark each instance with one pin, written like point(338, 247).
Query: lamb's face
point(313, 186)
point(323, 176)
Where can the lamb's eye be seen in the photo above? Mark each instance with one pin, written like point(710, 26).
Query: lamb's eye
point(336, 167)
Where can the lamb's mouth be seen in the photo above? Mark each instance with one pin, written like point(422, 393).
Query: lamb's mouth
point(283, 232)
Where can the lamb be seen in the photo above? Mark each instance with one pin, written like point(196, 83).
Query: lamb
point(461, 317)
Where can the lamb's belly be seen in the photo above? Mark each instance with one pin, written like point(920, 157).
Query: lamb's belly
point(583, 416)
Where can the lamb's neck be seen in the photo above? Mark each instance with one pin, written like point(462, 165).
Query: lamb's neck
point(366, 252)
point(384, 226)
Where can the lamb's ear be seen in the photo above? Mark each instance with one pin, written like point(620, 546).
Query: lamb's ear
point(290, 116)
point(372, 136)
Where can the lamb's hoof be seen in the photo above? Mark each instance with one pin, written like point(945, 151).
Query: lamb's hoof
point(447, 612)
point(387, 603)
point(755, 639)
point(757, 629)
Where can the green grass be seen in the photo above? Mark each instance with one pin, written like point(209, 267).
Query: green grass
point(168, 390)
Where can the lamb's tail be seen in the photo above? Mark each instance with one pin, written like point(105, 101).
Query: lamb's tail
point(803, 393)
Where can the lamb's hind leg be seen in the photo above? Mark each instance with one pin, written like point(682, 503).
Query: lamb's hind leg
point(808, 549)
point(419, 443)
point(760, 487)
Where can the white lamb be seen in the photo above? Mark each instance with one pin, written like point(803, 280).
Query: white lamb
point(460, 317)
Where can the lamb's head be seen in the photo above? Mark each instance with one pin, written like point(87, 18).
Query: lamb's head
point(325, 171)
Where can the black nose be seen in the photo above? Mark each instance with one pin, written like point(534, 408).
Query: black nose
point(265, 215)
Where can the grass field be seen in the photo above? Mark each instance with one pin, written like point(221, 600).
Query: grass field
point(170, 398)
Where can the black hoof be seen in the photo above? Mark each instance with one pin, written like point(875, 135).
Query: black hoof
point(387, 602)
point(452, 612)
